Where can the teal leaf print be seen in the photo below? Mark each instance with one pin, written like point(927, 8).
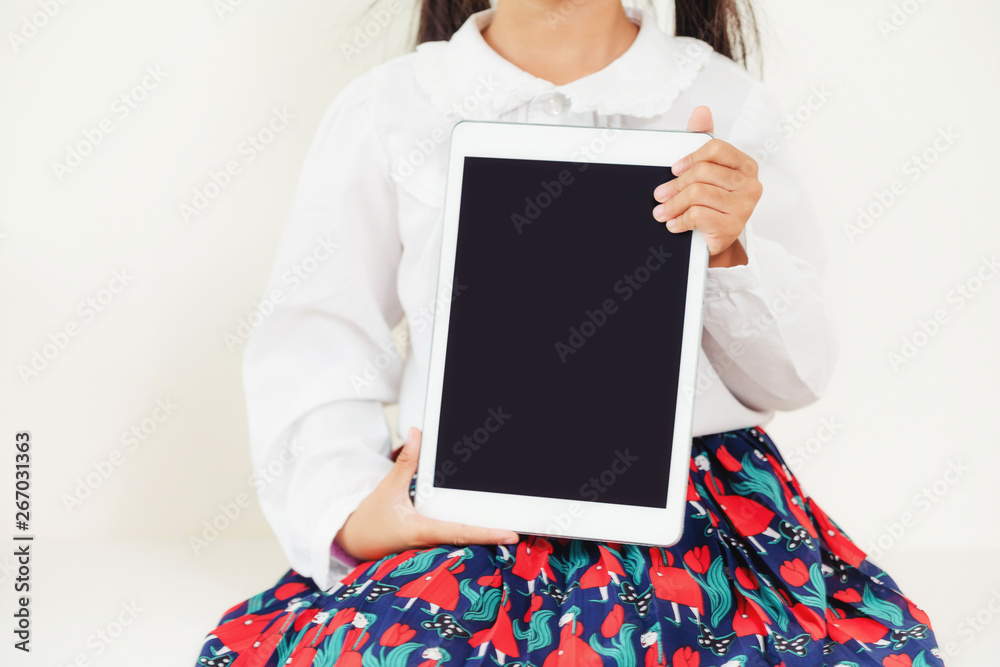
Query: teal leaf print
point(337, 638)
point(465, 585)
point(396, 658)
point(771, 602)
point(813, 595)
point(575, 559)
point(486, 607)
point(621, 650)
point(541, 635)
point(719, 594)
point(255, 603)
point(883, 609)
point(634, 563)
point(763, 483)
point(419, 563)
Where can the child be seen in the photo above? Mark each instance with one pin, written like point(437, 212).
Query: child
point(762, 576)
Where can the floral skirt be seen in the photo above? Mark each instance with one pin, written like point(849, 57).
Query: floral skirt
point(761, 577)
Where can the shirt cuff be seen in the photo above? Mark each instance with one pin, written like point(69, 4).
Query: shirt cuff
point(721, 279)
point(338, 554)
point(329, 566)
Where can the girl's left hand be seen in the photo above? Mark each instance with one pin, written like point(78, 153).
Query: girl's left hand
point(715, 191)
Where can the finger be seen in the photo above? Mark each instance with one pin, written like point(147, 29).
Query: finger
point(431, 532)
point(719, 152)
point(702, 172)
point(696, 194)
point(697, 217)
point(406, 459)
point(701, 120)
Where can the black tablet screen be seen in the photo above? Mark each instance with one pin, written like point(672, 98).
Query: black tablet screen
point(565, 333)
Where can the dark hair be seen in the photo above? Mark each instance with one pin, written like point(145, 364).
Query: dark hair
point(439, 19)
point(728, 26)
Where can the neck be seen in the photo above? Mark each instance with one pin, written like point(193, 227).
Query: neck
point(560, 40)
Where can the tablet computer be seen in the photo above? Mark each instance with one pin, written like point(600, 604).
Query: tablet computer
point(572, 321)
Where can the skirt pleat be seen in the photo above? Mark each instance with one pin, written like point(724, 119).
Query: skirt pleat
point(761, 577)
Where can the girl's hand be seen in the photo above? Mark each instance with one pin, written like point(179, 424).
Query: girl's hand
point(715, 191)
point(386, 522)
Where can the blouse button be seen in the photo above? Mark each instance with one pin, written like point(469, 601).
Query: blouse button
point(554, 105)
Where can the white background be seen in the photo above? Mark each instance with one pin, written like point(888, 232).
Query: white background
point(891, 434)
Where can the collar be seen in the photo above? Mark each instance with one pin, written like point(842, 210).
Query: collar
point(465, 78)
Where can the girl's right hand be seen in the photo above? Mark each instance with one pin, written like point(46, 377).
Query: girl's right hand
point(386, 522)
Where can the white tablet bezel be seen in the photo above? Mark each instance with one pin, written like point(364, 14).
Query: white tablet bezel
point(552, 516)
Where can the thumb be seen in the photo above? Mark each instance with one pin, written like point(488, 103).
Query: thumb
point(701, 120)
point(408, 456)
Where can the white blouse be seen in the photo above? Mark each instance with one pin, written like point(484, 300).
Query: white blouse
point(360, 252)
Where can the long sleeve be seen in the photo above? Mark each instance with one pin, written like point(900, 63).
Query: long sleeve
point(316, 373)
point(768, 328)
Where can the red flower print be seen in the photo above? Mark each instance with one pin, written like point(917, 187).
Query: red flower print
point(698, 559)
point(919, 614)
point(727, 460)
point(398, 633)
point(810, 621)
point(348, 659)
point(342, 616)
point(288, 590)
point(536, 604)
point(850, 595)
point(795, 572)
point(896, 661)
point(746, 579)
point(613, 622)
point(303, 618)
point(686, 657)
point(491, 580)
